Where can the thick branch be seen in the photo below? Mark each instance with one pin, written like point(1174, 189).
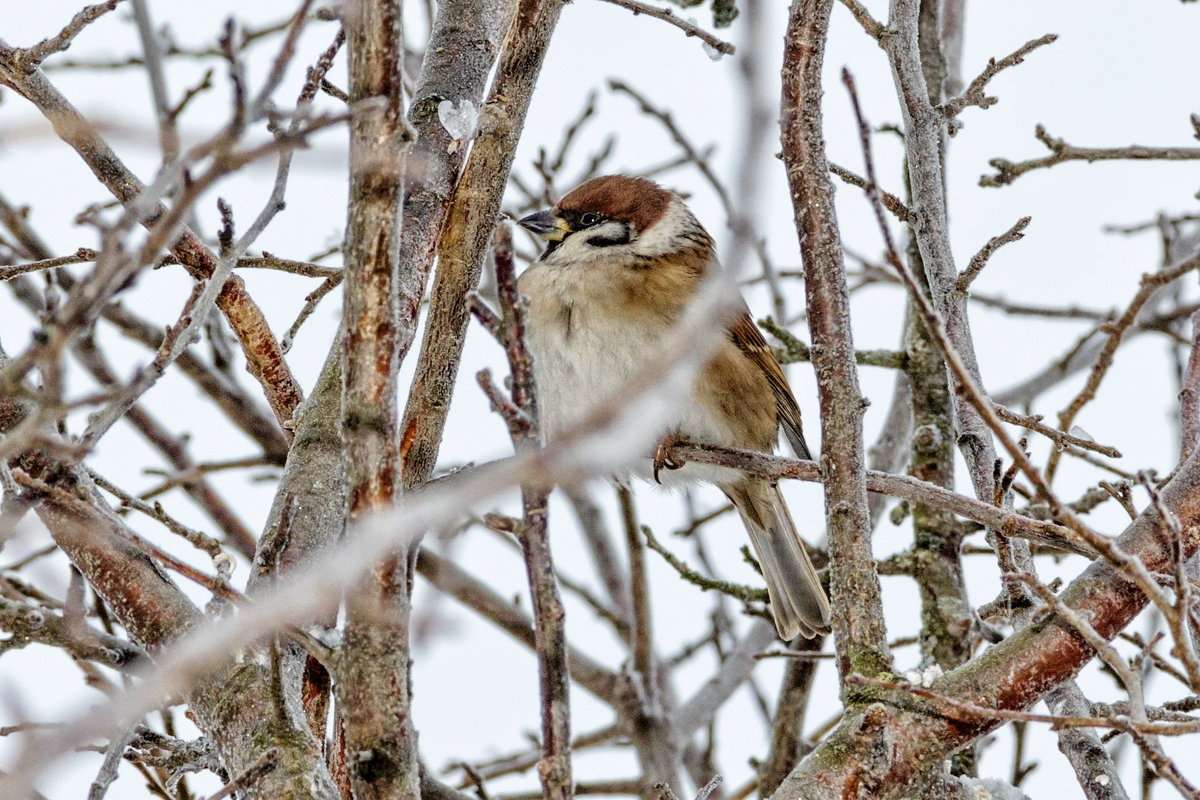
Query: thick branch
point(467, 230)
point(923, 126)
point(860, 636)
point(458, 59)
point(373, 676)
point(1011, 675)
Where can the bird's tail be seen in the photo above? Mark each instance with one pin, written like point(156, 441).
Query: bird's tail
point(798, 603)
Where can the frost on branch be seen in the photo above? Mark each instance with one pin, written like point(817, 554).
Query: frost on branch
point(459, 119)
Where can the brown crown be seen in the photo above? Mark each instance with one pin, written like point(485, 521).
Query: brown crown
point(638, 201)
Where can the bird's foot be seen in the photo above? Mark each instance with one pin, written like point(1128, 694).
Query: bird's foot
point(661, 458)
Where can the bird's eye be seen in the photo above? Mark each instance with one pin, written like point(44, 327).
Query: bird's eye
point(589, 219)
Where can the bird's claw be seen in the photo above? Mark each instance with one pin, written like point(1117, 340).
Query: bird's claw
point(661, 459)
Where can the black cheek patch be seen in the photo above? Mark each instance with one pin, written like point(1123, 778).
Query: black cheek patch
point(622, 237)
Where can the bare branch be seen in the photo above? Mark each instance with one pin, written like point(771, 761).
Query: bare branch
point(669, 16)
point(971, 712)
point(874, 28)
point(1189, 396)
point(60, 42)
point(1061, 438)
point(472, 212)
point(890, 201)
point(258, 342)
point(860, 635)
point(550, 633)
point(1098, 775)
point(744, 593)
point(902, 486)
point(1148, 286)
point(1061, 152)
point(980, 259)
point(372, 681)
point(80, 256)
point(974, 94)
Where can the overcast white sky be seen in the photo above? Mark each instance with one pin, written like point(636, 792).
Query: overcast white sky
point(1120, 73)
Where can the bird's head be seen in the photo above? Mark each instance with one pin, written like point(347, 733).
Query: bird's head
point(617, 217)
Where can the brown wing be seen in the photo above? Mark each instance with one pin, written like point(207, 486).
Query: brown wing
point(749, 339)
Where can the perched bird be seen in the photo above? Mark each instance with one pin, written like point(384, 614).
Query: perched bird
point(624, 258)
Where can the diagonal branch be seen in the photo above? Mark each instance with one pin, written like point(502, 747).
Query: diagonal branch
point(263, 355)
point(670, 17)
point(974, 94)
point(904, 487)
point(473, 209)
point(62, 40)
point(1148, 287)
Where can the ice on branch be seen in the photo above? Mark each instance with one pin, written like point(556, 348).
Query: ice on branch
point(459, 120)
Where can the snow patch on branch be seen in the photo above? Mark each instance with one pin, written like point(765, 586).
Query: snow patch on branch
point(460, 120)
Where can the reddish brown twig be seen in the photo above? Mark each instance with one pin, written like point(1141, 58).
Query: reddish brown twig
point(861, 638)
point(689, 29)
point(521, 417)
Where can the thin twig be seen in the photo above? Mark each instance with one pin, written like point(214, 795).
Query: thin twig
point(890, 201)
point(197, 539)
point(970, 712)
point(1060, 438)
point(746, 594)
point(1061, 152)
point(974, 94)
point(980, 259)
point(62, 40)
point(689, 28)
point(1116, 330)
point(80, 256)
point(874, 28)
point(249, 776)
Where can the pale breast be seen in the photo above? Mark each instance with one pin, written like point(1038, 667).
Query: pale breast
point(588, 339)
point(583, 353)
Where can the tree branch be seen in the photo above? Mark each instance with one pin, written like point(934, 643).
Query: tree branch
point(464, 238)
point(1061, 152)
point(372, 678)
point(263, 356)
point(689, 28)
point(861, 639)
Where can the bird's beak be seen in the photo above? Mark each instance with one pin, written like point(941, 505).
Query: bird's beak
point(547, 225)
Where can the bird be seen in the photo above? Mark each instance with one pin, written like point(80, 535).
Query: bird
point(623, 259)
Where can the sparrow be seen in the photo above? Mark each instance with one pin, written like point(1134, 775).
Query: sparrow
point(623, 259)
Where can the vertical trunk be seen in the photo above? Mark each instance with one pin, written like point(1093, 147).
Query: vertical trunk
point(373, 676)
point(860, 635)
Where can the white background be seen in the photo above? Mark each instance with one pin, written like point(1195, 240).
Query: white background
point(1120, 73)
